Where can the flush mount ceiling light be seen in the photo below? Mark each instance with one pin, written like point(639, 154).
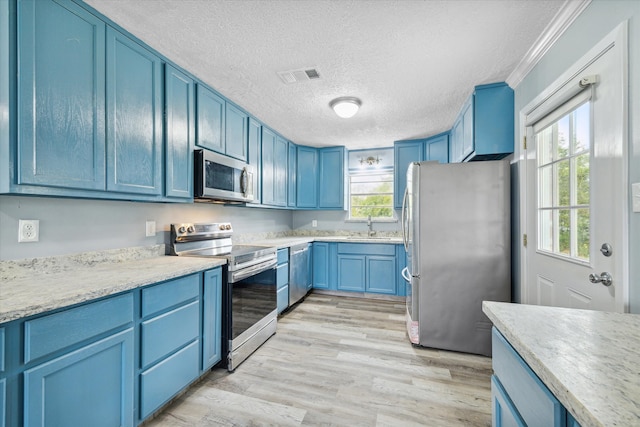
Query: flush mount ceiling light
point(345, 106)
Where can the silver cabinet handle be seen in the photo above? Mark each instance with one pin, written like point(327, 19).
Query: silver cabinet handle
point(604, 278)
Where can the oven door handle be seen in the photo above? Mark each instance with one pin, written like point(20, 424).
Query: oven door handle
point(236, 276)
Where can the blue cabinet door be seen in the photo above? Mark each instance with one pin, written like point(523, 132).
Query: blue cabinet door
point(331, 178)
point(235, 132)
point(255, 155)
point(503, 412)
point(351, 273)
point(467, 128)
point(404, 152)
point(320, 265)
point(212, 318)
point(134, 117)
point(292, 172)
point(61, 95)
point(493, 126)
point(268, 167)
point(210, 120)
point(90, 386)
point(381, 274)
point(437, 149)
point(180, 133)
point(307, 177)
point(455, 146)
point(281, 151)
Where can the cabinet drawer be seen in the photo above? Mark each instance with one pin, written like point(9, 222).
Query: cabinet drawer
point(50, 333)
point(169, 331)
point(160, 383)
point(283, 299)
point(366, 249)
point(283, 255)
point(534, 402)
point(282, 275)
point(160, 297)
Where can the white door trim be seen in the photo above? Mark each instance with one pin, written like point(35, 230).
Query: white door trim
point(618, 40)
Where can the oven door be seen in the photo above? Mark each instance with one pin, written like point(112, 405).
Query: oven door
point(252, 299)
point(221, 178)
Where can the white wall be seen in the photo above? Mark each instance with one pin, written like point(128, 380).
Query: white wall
point(77, 225)
point(337, 221)
point(597, 20)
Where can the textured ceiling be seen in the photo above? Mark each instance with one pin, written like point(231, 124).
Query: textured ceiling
point(412, 63)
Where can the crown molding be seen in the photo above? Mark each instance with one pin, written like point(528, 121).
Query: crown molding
point(569, 11)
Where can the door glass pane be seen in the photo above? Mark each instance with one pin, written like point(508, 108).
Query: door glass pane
point(582, 179)
point(584, 230)
point(545, 240)
point(564, 184)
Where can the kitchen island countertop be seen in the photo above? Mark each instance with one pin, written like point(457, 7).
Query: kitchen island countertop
point(37, 285)
point(590, 360)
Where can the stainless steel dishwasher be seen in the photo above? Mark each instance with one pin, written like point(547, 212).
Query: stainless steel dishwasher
point(299, 278)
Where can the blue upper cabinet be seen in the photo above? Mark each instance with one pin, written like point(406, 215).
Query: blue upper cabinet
point(180, 133)
point(255, 155)
point(484, 127)
point(331, 192)
point(61, 91)
point(134, 117)
point(211, 120)
point(292, 172)
point(437, 148)
point(307, 177)
point(274, 169)
point(235, 132)
point(404, 152)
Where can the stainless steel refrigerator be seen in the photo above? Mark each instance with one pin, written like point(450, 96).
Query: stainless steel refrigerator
point(456, 230)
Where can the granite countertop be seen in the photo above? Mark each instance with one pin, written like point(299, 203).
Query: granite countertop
point(590, 360)
point(38, 285)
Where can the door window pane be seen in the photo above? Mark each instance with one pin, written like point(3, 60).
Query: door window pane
point(563, 154)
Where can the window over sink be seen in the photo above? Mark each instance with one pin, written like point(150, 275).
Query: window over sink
point(371, 184)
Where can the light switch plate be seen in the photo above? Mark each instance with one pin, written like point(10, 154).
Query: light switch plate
point(635, 194)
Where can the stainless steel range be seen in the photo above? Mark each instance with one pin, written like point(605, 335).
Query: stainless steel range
point(249, 298)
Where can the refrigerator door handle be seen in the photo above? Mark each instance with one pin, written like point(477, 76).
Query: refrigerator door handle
point(405, 274)
point(405, 221)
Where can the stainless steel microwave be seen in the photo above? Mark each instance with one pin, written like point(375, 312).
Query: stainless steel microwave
point(222, 179)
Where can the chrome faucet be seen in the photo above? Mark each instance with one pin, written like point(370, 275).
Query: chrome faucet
point(370, 225)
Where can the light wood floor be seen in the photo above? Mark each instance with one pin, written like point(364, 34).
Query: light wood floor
point(344, 362)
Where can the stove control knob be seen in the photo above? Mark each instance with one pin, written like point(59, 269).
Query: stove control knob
point(221, 227)
point(182, 229)
point(191, 229)
point(228, 227)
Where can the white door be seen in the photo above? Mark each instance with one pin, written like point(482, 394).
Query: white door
point(575, 203)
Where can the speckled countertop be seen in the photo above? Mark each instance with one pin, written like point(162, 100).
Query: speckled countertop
point(34, 286)
point(287, 241)
point(589, 360)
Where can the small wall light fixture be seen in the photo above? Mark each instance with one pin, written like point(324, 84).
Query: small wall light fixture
point(370, 160)
point(345, 106)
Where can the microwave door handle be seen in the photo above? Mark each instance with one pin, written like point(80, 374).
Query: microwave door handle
point(244, 182)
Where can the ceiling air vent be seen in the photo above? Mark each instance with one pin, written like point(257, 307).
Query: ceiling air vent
point(299, 76)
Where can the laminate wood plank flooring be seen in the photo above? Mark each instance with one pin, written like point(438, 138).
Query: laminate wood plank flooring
point(340, 361)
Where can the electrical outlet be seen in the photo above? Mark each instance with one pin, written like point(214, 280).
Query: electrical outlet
point(314, 223)
point(150, 228)
point(28, 230)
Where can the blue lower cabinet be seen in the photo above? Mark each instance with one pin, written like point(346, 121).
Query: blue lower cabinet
point(351, 273)
point(504, 414)
point(381, 274)
point(320, 265)
point(283, 298)
point(161, 382)
point(282, 280)
point(92, 385)
point(212, 318)
point(3, 401)
point(518, 390)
